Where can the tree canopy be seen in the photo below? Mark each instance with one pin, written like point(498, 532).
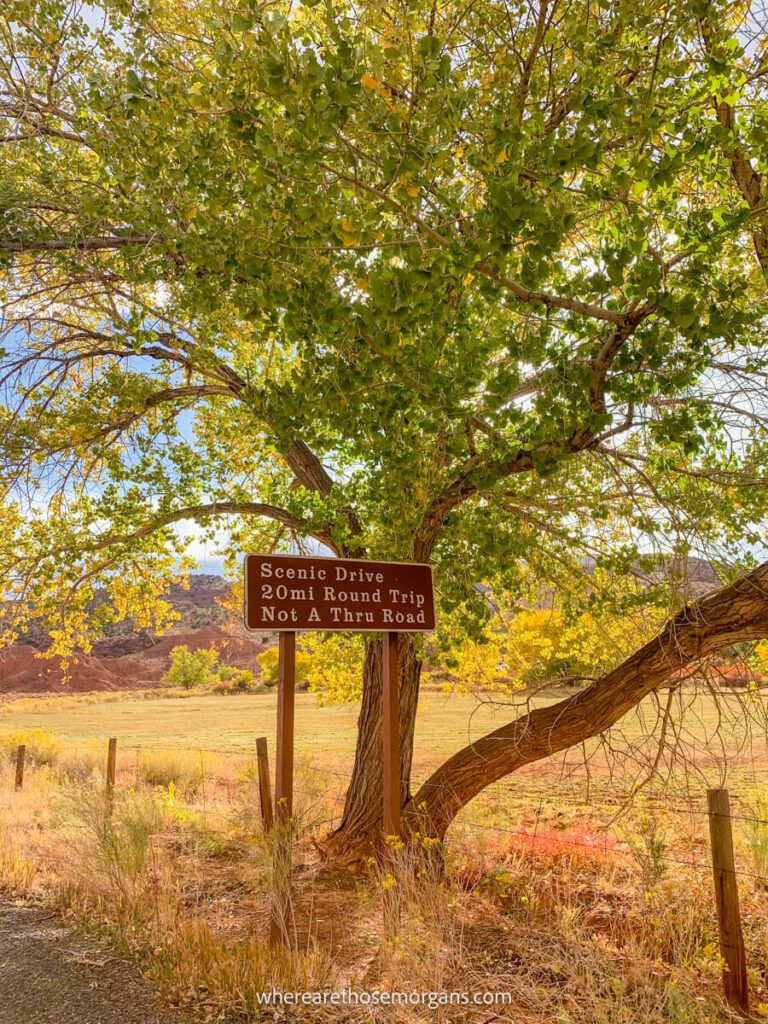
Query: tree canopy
point(375, 274)
point(477, 284)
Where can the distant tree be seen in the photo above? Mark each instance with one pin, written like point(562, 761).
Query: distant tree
point(268, 665)
point(334, 666)
point(573, 640)
point(192, 668)
point(464, 283)
point(234, 680)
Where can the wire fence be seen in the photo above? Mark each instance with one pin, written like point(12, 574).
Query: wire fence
point(217, 790)
point(542, 829)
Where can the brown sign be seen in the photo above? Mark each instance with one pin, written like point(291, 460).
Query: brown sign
point(288, 592)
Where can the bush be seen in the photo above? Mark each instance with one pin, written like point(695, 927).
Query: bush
point(185, 769)
point(111, 858)
point(78, 765)
point(42, 746)
point(240, 679)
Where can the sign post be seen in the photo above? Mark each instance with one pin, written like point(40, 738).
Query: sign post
point(390, 733)
point(286, 687)
point(288, 593)
point(281, 836)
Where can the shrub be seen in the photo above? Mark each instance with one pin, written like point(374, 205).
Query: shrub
point(78, 765)
point(184, 769)
point(241, 679)
point(111, 858)
point(649, 842)
point(42, 746)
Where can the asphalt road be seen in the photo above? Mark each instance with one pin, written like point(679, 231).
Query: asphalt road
point(48, 975)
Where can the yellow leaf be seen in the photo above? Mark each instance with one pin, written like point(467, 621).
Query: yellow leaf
point(412, 190)
point(369, 82)
point(275, 215)
point(361, 284)
point(468, 279)
point(501, 157)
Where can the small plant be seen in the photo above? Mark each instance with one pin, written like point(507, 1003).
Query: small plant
point(16, 873)
point(753, 827)
point(111, 857)
point(649, 842)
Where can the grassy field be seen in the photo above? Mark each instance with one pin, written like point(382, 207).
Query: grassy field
point(591, 908)
point(714, 738)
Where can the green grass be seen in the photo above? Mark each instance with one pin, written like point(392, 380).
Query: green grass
point(713, 733)
point(229, 724)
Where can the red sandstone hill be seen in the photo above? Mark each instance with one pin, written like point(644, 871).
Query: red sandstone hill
point(128, 658)
point(131, 659)
point(23, 671)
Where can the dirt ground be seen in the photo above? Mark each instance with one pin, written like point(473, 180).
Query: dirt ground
point(48, 975)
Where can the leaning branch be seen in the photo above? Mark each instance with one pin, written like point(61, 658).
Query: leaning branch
point(732, 614)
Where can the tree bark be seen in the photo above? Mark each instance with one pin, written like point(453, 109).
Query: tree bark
point(724, 617)
point(361, 823)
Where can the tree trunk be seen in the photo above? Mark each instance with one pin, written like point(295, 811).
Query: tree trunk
point(726, 616)
point(361, 823)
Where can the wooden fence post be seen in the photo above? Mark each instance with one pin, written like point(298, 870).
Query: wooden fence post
point(727, 899)
point(21, 755)
point(265, 791)
point(111, 762)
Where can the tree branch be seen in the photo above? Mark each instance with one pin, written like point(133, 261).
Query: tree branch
point(81, 244)
point(726, 616)
point(748, 180)
point(208, 511)
point(481, 469)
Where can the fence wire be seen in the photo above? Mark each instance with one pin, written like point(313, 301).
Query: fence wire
point(541, 836)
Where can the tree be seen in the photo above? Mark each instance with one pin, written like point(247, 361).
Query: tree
point(268, 664)
point(191, 668)
point(570, 637)
point(481, 286)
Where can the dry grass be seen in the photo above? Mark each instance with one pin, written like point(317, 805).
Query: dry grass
point(181, 878)
point(184, 769)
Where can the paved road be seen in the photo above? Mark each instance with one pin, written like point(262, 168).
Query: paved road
point(48, 975)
